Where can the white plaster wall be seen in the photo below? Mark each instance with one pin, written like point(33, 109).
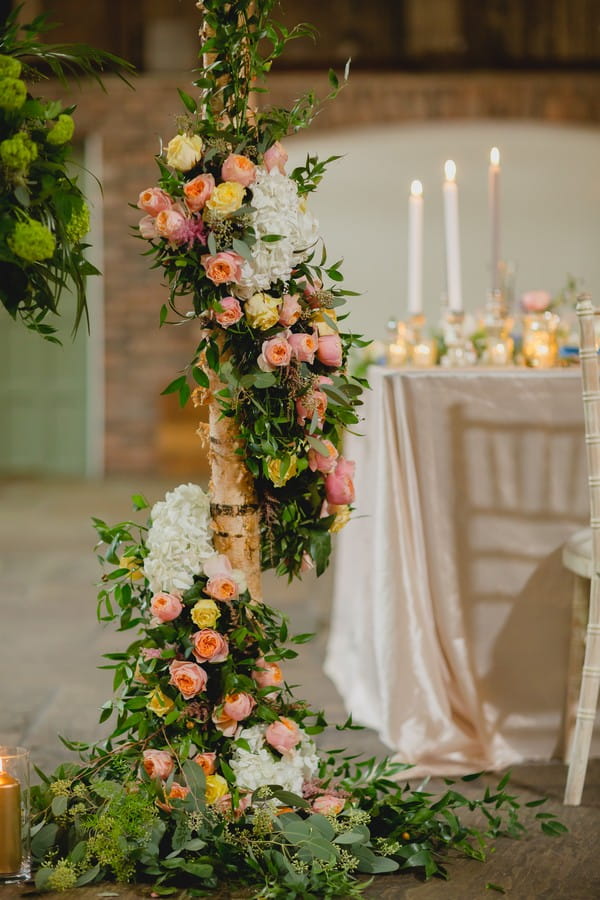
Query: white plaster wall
point(550, 213)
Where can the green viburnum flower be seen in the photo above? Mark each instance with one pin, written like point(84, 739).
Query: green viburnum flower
point(9, 67)
point(12, 93)
point(62, 130)
point(79, 224)
point(32, 241)
point(18, 152)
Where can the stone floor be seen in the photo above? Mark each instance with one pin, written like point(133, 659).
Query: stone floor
point(49, 684)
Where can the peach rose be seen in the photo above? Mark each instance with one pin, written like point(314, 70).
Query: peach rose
point(328, 805)
point(210, 646)
point(207, 762)
point(535, 301)
point(197, 191)
point(319, 462)
point(290, 310)
point(339, 486)
point(275, 158)
point(222, 587)
point(238, 706)
point(238, 168)
point(172, 225)
point(267, 674)
point(304, 346)
point(329, 351)
point(189, 678)
point(223, 267)
point(165, 607)
point(283, 735)
point(226, 725)
point(154, 200)
point(224, 805)
point(230, 312)
point(147, 227)
point(276, 352)
point(310, 403)
point(184, 151)
point(158, 763)
point(226, 583)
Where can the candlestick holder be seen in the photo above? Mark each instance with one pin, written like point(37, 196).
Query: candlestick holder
point(459, 349)
point(422, 351)
point(15, 852)
point(499, 345)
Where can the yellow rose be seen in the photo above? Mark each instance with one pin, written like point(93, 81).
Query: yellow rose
point(262, 311)
point(216, 787)
point(184, 151)
point(226, 197)
point(323, 326)
point(342, 517)
point(205, 613)
point(159, 703)
point(134, 566)
point(274, 471)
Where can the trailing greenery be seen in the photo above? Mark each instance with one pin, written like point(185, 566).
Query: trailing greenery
point(44, 217)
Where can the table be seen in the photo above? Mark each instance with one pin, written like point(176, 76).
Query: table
point(451, 608)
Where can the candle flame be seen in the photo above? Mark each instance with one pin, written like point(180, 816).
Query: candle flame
point(495, 156)
point(450, 170)
point(416, 188)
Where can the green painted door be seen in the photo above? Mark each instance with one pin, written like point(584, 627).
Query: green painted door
point(42, 399)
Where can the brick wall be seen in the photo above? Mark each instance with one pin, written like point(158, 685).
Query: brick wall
point(140, 359)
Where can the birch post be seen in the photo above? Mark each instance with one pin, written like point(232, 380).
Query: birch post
point(234, 503)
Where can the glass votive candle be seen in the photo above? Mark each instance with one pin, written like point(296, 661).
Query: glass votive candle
point(15, 853)
point(424, 354)
point(540, 347)
point(397, 353)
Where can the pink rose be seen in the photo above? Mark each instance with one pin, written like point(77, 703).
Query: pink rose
point(283, 735)
point(224, 805)
point(223, 582)
point(227, 726)
point(154, 200)
point(308, 404)
point(158, 763)
point(210, 646)
point(238, 706)
point(275, 158)
point(267, 674)
point(329, 351)
point(275, 352)
point(189, 678)
point(535, 301)
point(304, 346)
point(147, 227)
point(310, 290)
point(328, 805)
point(290, 310)
point(238, 168)
point(223, 267)
point(151, 652)
point(230, 313)
point(207, 762)
point(172, 225)
point(197, 191)
point(165, 607)
point(319, 462)
point(339, 486)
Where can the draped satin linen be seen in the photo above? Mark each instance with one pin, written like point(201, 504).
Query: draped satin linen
point(451, 610)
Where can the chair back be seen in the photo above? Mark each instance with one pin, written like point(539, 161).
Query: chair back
point(588, 355)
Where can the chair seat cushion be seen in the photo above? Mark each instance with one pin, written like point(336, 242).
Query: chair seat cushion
point(577, 553)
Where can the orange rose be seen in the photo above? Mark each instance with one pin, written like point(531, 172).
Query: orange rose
point(223, 267)
point(210, 646)
point(207, 762)
point(197, 191)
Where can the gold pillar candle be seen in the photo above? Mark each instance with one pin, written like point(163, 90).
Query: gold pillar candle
point(10, 824)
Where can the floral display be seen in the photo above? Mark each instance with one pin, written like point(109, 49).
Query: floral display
point(211, 771)
point(43, 213)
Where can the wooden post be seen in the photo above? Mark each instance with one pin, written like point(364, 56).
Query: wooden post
point(234, 504)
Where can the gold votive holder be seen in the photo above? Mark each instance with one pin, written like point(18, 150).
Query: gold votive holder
point(397, 350)
point(15, 852)
point(540, 344)
point(422, 351)
point(499, 346)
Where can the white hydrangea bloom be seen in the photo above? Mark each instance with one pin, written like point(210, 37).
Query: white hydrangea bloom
point(277, 210)
point(179, 540)
point(260, 766)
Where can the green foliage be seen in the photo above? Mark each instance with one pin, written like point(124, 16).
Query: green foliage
point(43, 214)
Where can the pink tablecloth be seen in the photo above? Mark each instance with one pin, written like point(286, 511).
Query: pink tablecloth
point(451, 608)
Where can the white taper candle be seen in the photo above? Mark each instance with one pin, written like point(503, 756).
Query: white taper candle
point(453, 276)
point(415, 249)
